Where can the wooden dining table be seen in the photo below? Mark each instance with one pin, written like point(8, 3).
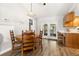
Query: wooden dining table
point(34, 38)
point(27, 36)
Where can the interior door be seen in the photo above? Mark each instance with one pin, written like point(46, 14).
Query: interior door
point(45, 31)
point(52, 31)
point(49, 31)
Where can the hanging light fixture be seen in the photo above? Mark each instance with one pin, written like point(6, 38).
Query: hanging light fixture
point(31, 14)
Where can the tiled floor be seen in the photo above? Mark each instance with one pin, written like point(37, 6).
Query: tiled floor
point(51, 48)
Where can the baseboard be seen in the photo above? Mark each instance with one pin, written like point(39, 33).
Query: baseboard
point(5, 51)
point(53, 39)
point(50, 39)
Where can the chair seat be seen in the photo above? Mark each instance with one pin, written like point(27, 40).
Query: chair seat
point(17, 46)
point(37, 40)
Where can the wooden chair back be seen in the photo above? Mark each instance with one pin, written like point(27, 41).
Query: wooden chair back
point(12, 35)
point(40, 41)
point(12, 38)
point(40, 35)
point(27, 42)
point(61, 38)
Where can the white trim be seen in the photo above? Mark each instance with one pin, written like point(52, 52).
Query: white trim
point(5, 51)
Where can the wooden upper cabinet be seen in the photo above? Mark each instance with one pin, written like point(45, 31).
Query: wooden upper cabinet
point(68, 24)
point(68, 19)
point(76, 21)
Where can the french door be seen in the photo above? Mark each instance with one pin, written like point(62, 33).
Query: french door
point(49, 31)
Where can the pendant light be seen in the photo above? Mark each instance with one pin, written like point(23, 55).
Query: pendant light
point(30, 14)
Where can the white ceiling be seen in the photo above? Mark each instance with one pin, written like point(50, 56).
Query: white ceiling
point(50, 9)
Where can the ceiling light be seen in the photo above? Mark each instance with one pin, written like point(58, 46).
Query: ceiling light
point(31, 14)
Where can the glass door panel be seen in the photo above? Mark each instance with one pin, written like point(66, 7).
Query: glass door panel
point(52, 30)
point(45, 29)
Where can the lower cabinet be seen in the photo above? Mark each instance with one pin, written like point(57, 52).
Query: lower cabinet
point(72, 40)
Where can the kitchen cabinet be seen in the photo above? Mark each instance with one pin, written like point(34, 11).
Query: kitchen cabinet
point(68, 19)
point(72, 40)
point(68, 24)
point(76, 21)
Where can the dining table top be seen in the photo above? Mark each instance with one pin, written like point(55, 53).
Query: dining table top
point(26, 36)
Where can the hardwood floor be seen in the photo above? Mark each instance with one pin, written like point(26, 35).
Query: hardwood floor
point(51, 48)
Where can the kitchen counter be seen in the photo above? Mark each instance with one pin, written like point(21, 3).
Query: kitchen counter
point(71, 39)
point(69, 31)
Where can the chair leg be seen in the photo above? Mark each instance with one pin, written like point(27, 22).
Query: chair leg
point(33, 51)
point(22, 52)
point(41, 46)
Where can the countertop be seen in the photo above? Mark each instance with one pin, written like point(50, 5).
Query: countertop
point(69, 31)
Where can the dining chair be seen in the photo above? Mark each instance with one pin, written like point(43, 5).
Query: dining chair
point(27, 43)
point(16, 45)
point(39, 41)
point(61, 39)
